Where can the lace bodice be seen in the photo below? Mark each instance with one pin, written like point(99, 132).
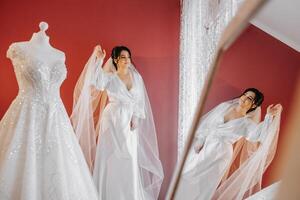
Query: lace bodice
point(39, 73)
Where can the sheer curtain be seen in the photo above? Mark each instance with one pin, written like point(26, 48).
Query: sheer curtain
point(202, 22)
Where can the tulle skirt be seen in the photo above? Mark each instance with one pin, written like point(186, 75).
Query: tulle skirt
point(40, 158)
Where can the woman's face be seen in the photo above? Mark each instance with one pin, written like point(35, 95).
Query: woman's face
point(246, 101)
point(124, 60)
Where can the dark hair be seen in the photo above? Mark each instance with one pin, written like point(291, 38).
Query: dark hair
point(258, 99)
point(116, 52)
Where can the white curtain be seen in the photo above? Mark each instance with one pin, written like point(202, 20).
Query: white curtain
point(202, 22)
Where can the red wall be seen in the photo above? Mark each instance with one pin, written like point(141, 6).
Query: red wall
point(149, 28)
point(258, 60)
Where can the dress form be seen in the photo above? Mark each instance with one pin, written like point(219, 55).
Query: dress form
point(40, 157)
point(39, 46)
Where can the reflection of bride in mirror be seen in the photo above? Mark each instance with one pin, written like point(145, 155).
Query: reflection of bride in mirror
point(231, 150)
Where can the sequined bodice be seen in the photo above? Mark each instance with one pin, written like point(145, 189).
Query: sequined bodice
point(37, 77)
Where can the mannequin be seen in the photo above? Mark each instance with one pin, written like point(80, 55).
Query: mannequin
point(39, 46)
point(41, 37)
point(40, 157)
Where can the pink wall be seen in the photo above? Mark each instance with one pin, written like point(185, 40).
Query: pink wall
point(258, 60)
point(149, 28)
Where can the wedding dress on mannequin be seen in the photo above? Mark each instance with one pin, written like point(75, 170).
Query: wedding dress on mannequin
point(40, 158)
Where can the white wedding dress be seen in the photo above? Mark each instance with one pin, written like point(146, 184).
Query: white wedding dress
point(40, 158)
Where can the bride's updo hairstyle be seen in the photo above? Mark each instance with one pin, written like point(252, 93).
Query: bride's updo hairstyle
point(258, 99)
point(116, 52)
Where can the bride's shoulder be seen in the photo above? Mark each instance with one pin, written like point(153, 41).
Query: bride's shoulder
point(225, 103)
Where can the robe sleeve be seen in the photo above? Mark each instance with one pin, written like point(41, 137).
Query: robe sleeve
point(100, 78)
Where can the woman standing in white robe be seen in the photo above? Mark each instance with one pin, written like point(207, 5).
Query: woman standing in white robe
point(210, 172)
point(126, 164)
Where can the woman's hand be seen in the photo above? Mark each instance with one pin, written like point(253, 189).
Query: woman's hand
point(133, 123)
point(100, 54)
point(274, 110)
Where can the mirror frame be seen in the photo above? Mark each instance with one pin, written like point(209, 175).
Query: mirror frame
point(239, 22)
point(291, 176)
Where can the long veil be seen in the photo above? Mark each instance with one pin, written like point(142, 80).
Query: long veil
point(148, 155)
point(86, 116)
point(252, 153)
point(250, 160)
point(88, 104)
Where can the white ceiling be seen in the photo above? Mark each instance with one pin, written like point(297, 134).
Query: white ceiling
point(281, 19)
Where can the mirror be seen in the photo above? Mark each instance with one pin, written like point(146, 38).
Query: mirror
point(226, 155)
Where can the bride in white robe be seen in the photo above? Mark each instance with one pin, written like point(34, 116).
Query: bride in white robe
point(126, 163)
point(216, 170)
